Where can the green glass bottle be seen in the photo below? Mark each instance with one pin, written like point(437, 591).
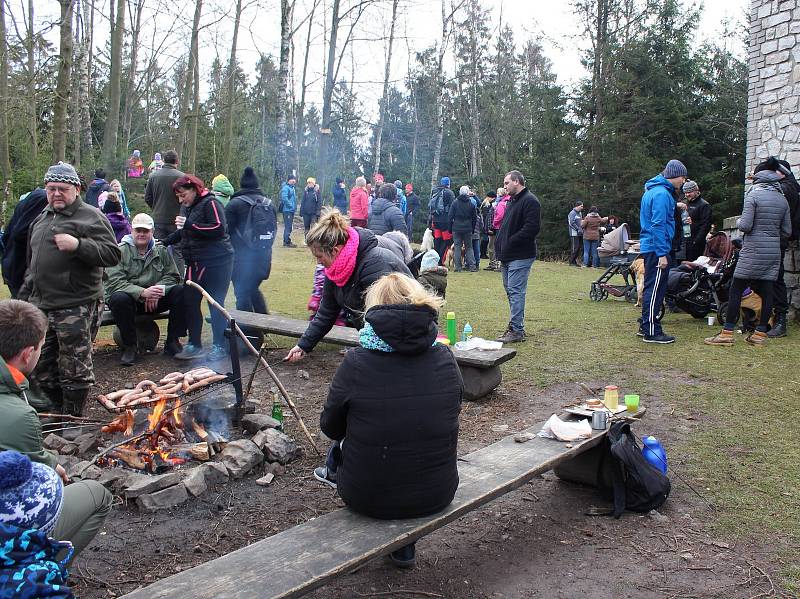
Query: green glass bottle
point(277, 411)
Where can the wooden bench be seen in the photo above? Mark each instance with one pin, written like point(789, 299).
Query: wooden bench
point(300, 559)
point(480, 369)
point(147, 331)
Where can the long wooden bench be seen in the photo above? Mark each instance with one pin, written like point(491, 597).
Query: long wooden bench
point(300, 559)
point(480, 369)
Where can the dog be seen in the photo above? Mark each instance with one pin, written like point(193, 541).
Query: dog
point(448, 258)
point(637, 268)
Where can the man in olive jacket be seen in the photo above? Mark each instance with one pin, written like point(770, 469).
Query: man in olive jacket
point(86, 503)
point(146, 280)
point(68, 246)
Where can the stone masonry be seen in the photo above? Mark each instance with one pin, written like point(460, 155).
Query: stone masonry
point(773, 99)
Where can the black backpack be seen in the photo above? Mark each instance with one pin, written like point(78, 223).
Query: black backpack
point(436, 203)
point(259, 228)
point(635, 484)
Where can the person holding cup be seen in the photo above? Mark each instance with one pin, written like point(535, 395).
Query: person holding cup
point(146, 280)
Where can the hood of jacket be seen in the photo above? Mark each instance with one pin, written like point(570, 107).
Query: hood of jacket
point(7, 382)
point(659, 181)
point(464, 198)
point(398, 243)
point(380, 205)
point(766, 177)
point(405, 328)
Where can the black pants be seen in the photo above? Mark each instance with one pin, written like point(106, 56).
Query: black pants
point(248, 273)
point(125, 309)
point(762, 288)
point(576, 247)
point(308, 221)
point(780, 296)
point(215, 279)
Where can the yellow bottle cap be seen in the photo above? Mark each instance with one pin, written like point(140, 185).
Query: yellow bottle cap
point(451, 315)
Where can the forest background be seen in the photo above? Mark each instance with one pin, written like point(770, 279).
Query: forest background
point(480, 98)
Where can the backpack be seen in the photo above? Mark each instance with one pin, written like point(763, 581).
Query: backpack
point(436, 203)
point(259, 227)
point(624, 474)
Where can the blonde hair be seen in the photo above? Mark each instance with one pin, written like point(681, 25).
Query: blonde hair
point(331, 230)
point(501, 191)
point(361, 182)
point(311, 181)
point(396, 288)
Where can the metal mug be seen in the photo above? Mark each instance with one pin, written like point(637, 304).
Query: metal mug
point(599, 420)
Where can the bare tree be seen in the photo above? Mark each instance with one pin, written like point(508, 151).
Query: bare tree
point(281, 166)
point(231, 82)
point(61, 101)
point(5, 162)
point(111, 128)
point(131, 97)
point(437, 146)
point(385, 96)
point(180, 138)
point(301, 110)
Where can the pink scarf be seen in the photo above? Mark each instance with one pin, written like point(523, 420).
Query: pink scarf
point(345, 263)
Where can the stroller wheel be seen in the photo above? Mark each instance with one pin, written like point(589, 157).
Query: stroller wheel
point(631, 295)
point(722, 312)
point(596, 293)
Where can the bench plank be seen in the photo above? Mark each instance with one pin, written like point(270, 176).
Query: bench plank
point(300, 559)
point(292, 327)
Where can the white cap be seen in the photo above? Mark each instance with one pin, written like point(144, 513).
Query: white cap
point(142, 221)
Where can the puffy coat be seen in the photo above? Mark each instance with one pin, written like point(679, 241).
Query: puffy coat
point(591, 226)
point(135, 273)
point(700, 213)
point(312, 202)
point(765, 218)
point(359, 203)
point(386, 216)
point(657, 217)
point(257, 260)
point(288, 198)
point(15, 237)
point(462, 215)
point(204, 237)
point(94, 190)
point(340, 199)
point(516, 239)
point(372, 262)
point(398, 415)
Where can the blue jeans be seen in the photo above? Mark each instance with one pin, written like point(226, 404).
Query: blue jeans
point(515, 281)
point(410, 225)
point(655, 288)
point(590, 255)
point(334, 457)
point(476, 251)
point(288, 217)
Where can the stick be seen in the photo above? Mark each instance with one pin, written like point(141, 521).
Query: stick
point(212, 302)
point(69, 418)
point(253, 375)
point(589, 389)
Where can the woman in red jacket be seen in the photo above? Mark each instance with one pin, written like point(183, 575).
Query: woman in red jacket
point(359, 203)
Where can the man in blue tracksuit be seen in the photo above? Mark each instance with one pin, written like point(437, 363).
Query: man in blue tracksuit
point(657, 221)
point(288, 206)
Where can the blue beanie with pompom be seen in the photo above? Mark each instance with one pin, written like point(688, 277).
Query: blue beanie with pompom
point(31, 494)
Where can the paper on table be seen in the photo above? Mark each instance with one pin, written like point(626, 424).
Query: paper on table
point(478, 343)
point(555, 428)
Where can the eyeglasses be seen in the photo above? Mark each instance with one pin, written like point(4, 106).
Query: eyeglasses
point(141, 230)
point(63, 189)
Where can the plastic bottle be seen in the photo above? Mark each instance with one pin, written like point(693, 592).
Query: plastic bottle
point(611, 397)
point(687, 228)
point(277, 411)
point(654, 453)
point(451, 327)
point(467, 334)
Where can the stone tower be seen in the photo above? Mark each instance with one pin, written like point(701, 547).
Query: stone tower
point(773, 100)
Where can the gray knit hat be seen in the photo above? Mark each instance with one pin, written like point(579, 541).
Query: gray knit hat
point(674, 169)
point(62, 172)
point(690, 186)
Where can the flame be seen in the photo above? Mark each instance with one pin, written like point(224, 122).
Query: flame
point(176, 413)
point(154, 418)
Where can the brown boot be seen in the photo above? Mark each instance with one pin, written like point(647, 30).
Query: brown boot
point(724, 337)
point(758, 339)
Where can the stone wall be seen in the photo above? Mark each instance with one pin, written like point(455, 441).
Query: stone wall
point(773, 99)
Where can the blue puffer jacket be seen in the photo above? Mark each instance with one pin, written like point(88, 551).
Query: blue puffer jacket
point(656, 217)
point(288, 198)
point(28, 565)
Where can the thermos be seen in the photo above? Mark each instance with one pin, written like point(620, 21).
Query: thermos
point(451, 328)
point(654, 453)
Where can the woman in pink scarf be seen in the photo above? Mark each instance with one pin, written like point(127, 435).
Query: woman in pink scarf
point(352, 261)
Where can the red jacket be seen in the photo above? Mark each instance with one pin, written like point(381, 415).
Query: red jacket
point(359, 203)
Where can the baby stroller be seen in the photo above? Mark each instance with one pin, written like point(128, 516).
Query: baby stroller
point(616, 253)
point(701, 287)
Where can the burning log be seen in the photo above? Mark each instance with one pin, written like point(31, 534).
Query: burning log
point(130, 457)
point(123, 423)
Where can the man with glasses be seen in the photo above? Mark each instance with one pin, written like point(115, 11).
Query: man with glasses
point(69, 244)
point(146, 281)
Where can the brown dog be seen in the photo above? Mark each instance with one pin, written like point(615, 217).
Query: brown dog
point(637, 268)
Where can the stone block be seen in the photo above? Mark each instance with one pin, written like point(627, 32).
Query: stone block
point(280, 448)
point(777, 57)
point(241, 456)
point(114, 478)
point(265, 480)
point(66, 461)
point(161, 500)
point(69, 448)
point(275, 468)
point(87, 443)
point(785, 67)
point(778, 18)
point(774, 147)
point(764, 11)
point(215, 473)
point(776, 82)
point(84, 471)
point(479, 382)
point(768, 98)
point(53, 442)
point(253, 423)
point(781, 31)
point(771, 110)
point(794, 27)
point(770, 46)
point(768, 72)
point(783, 121)
point(142, 484)
point(260, 439)
point(786, 41)
point(195, 481)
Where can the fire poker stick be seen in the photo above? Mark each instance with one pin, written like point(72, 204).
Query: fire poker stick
point(258, 355)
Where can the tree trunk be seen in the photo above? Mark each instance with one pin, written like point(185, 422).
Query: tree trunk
point(475, 118)
point(415, 140)
point(194, 123)
point(385, 97)
point(300, 120)
point(112, 120)
point(84, 80)
point(77, 132)
point(231, 82)
point(61, 102)
point(437, 146)
point(131, 97)
point(281, 165)
point(5, 161)
point(33, 115)
point(180, 138)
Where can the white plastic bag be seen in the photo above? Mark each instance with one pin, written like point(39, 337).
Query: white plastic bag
point(478, 343)
point(555, 428)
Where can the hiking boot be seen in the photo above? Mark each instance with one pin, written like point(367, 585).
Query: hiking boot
point(405, 557)
point(323, 475)
point(779, 326)
point(217, 352)
point(128, 356)
point(190, 352)
point(639, 333)
point(54, 402)
point(172, 348)
point(511, 336)
point(758, 339)
point(662, 338)
point(74, 401)
point(724, 337)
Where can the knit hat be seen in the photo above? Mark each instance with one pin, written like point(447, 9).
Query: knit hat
point(339, 180)
point(445, 181)
point(142, 221)
point(222, 186)
point(157, 156)
point(62, 172)
point(409, 188)
point(690, 186)
point(137, 153)
point(248, 179)
point(429, 260)
point(464, 190)
point(31, 494)
point(674, 168)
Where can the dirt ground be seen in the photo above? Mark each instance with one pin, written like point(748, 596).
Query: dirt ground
point(537, 541)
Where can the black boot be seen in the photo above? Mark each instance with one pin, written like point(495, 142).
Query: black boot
point(128, 356)
point(778, 327)
point(50, 400)
point(74, 401)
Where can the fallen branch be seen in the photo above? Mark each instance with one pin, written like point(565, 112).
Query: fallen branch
point(66, 417)
point(212, 302)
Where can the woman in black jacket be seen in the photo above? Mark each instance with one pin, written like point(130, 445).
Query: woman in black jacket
point(353, 261)
point(207, 251)
point(393, 408)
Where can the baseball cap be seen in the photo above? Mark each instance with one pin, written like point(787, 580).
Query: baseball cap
point(142, 221)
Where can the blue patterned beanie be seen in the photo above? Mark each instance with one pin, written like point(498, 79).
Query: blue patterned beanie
point(31, 494)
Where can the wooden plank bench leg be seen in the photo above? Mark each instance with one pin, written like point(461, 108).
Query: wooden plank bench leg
point(479, 381)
